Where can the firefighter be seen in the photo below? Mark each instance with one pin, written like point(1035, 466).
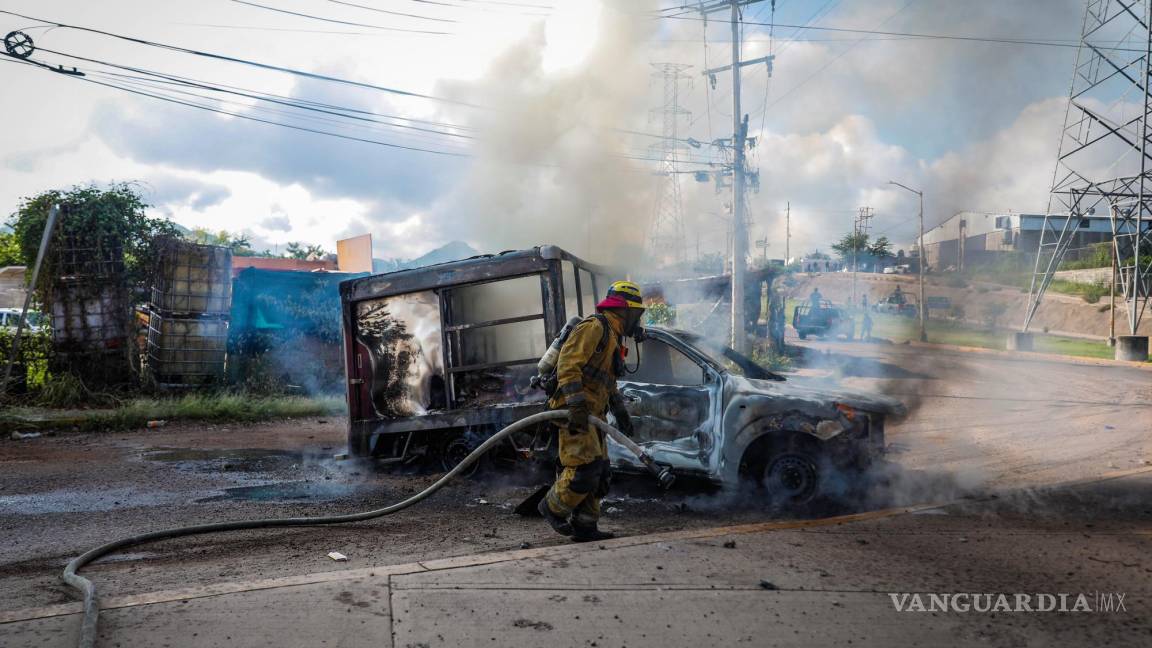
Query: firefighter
point(590, 362)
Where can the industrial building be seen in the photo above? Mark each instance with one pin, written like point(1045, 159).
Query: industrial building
point(969, 238)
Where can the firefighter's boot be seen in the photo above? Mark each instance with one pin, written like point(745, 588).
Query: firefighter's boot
point(558, 524)
point(590, 534)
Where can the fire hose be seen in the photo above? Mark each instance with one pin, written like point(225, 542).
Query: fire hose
point(91, 602)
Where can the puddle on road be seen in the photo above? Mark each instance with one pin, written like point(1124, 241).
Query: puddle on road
point(291, 491)
point(233, 460)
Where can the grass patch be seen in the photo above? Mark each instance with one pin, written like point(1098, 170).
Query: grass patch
point(136, 413)
point(1089, 292)
point(899, 329)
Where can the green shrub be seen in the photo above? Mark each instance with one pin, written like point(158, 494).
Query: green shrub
point(1092, 293)
point(764, 356)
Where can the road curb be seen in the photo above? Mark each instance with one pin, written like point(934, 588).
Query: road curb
point(1032, 356)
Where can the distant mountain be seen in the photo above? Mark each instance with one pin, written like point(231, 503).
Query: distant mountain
point(453, 251)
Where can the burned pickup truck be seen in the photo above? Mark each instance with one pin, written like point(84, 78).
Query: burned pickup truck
point(439, 358)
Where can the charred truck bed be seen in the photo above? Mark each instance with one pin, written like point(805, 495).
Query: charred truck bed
point(440, 357)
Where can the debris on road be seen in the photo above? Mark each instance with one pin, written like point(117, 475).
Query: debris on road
point(152, 425)
point(17, 436)
point(337, 556)
point(731, 544)
point(768, 585)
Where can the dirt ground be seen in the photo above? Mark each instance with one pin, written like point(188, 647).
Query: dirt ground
point(978, 424)
point(1058, 314)
point(64, 494)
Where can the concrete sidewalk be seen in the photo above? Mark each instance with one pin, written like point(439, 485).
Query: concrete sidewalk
point(792, 583)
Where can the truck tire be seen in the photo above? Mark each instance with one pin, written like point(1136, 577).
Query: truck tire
point(792, 479)
point(455, 449)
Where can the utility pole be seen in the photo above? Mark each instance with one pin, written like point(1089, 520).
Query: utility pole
point(45, 241)
point(923, 308)
point(787, 232)
point(739, 141)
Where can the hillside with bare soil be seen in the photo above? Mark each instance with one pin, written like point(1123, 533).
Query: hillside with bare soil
point(1060, 313)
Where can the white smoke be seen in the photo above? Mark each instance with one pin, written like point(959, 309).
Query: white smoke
point(549, 164)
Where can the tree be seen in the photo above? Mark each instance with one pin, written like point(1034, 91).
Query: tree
point(881, 248)
point(297, 250)
point(853, 244)
point(108, 221)
point(239, 243)
point(10, 250)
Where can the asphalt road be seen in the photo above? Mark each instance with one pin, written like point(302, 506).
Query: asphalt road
point(980, 425)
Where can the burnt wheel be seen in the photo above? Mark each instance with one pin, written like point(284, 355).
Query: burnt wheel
point(792, 479)
point(455, 451)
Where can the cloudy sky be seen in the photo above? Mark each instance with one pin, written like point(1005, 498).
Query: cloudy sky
point(534, 116)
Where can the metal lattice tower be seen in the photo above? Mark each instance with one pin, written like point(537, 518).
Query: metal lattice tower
point(667, 241)
point(1105, 159)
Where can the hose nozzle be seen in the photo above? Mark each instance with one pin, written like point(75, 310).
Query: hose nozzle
point(663, 474)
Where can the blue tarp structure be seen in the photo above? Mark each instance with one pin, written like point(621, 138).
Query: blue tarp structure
point(276, 300)
point(285, 325)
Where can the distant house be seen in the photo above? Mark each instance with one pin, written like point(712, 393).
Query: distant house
point(12, 286)
point(969, 238)
point(241, 263)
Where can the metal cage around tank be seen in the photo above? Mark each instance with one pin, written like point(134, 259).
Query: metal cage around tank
point(186, 351)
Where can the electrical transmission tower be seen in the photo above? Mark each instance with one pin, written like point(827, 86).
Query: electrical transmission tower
point(667, 241)
point(860, 228)
point(1105, 159)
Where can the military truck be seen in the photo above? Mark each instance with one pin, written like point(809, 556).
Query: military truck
point(441, 357)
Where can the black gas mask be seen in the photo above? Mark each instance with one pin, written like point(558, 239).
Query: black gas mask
point(632, 318)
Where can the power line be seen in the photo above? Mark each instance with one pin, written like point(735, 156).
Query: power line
point(1055, 42)
point(257, 64)
point(393, 13)
point(300, 103)
point(307, 129)
point(343, 22)
point(836, 58)
point(275, 123)
point(509, 4)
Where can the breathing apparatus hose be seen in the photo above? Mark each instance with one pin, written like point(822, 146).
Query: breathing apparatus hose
point(91, 602)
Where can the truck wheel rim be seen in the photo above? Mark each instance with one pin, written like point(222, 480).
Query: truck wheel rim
point(455, 452)
point(792, 477)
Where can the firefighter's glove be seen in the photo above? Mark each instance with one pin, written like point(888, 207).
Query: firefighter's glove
point(578, 418)
point(620, 413)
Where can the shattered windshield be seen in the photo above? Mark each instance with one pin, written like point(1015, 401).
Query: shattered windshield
point(726, 358)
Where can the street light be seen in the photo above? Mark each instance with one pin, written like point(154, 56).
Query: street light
point(920, 266)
